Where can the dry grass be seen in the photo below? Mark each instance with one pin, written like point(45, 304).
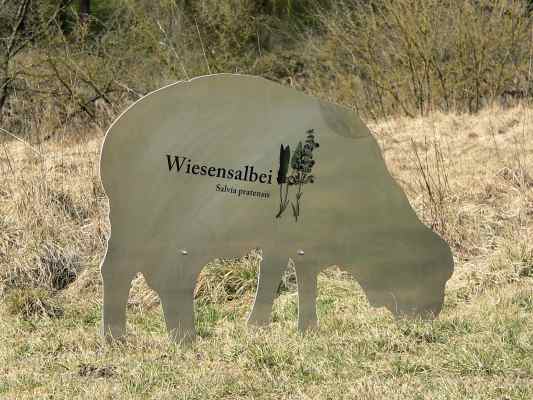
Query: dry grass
point(477, 192)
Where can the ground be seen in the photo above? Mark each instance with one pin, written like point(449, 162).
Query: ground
point(467, 176)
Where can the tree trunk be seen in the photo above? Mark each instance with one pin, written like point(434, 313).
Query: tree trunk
point(62, 15)
point(85, 10)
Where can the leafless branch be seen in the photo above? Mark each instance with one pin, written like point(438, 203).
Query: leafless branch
point(20, 140)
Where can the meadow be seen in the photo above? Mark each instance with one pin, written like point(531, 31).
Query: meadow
point(477, 194)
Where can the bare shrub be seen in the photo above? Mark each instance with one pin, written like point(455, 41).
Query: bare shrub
point(407, 57)
point(432, 180)
point(81, 73)
point(412, 57)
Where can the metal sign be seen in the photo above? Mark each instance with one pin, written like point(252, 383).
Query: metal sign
point(219, 165)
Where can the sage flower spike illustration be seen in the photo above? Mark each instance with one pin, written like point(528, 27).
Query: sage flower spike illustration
point(284, 158)
point(302, 163)
point(297, 157)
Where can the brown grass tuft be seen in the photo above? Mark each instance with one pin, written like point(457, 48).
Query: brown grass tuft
point(226, 280)
point(32, 303)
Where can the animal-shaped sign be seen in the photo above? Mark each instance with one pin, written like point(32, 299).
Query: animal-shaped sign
point(219, 165)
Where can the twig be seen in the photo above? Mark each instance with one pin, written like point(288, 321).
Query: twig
point(8, 159)
point(284, 202)
point(296, 209)
point(68, 88)
point(21, 15)
point(21, 140)
point(139, 95)
point(202, 44)
point(171, 45)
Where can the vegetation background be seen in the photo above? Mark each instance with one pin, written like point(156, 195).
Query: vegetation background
point(445, 87)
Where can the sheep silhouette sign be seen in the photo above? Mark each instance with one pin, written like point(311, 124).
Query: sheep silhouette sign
point(222, 164)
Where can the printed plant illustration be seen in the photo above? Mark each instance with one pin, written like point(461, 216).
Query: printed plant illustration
point(301, 163)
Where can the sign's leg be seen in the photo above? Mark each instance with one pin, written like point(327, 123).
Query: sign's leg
point(117, 283)
point(306, 275)
point(176, 291)
point(270, 272)
point(178, 309)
